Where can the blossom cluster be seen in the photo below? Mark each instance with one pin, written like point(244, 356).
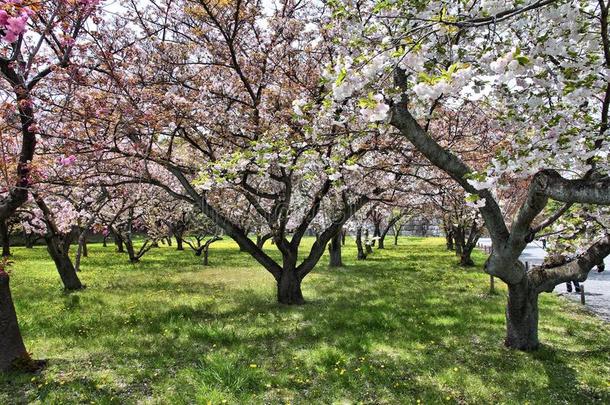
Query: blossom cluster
point(13, 19)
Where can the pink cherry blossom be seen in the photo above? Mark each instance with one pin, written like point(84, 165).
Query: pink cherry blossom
point(67, 161)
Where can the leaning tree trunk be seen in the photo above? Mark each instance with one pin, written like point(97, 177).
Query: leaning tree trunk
point(289, 288)
point(522, 316)
point(64, 265)
point(334, 249)
point(133, 258)
point(6, 242)
point(12, 349)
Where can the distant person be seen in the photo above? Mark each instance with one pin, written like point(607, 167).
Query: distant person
point(543, 240)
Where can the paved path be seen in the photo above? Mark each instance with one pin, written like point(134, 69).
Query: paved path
point(597, 286)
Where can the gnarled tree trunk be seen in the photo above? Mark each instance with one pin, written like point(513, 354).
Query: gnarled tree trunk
point(522, 316)
point(289, 288)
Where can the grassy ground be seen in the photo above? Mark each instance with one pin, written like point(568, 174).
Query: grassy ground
point(406, 326)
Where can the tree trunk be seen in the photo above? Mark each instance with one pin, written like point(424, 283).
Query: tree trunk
point(361, 254)
point(334, 249)
point(6, 242)
point(131, 251)
point(343, 236)
point(465, 259)
point(367, 242)
point(396, 238)
point(522, 317)
point(118, 241)
point(64, 265)
point(376, 232)
point(179, 244)
point(458, 238)
point(381, 241)
point(84, 243)
point(104, 241)
point(449, 239)
point(12, 349)
point(79, 254)
point(289, 288)
point(169, 240)
point(206, 252)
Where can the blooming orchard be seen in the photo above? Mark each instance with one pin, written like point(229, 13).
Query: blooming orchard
point(279, 119)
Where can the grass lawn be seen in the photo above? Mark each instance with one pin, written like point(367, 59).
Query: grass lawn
point(405, 326)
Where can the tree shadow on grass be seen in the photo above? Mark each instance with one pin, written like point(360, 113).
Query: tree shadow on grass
point(381, 331)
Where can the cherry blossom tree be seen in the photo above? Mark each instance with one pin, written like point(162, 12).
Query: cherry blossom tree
point(38, 43)
point(224, 96)
point(543, 64)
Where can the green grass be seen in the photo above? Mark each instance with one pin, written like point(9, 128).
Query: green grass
point(403, 326)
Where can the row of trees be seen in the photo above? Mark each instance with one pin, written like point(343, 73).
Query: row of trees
point(286, 117)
